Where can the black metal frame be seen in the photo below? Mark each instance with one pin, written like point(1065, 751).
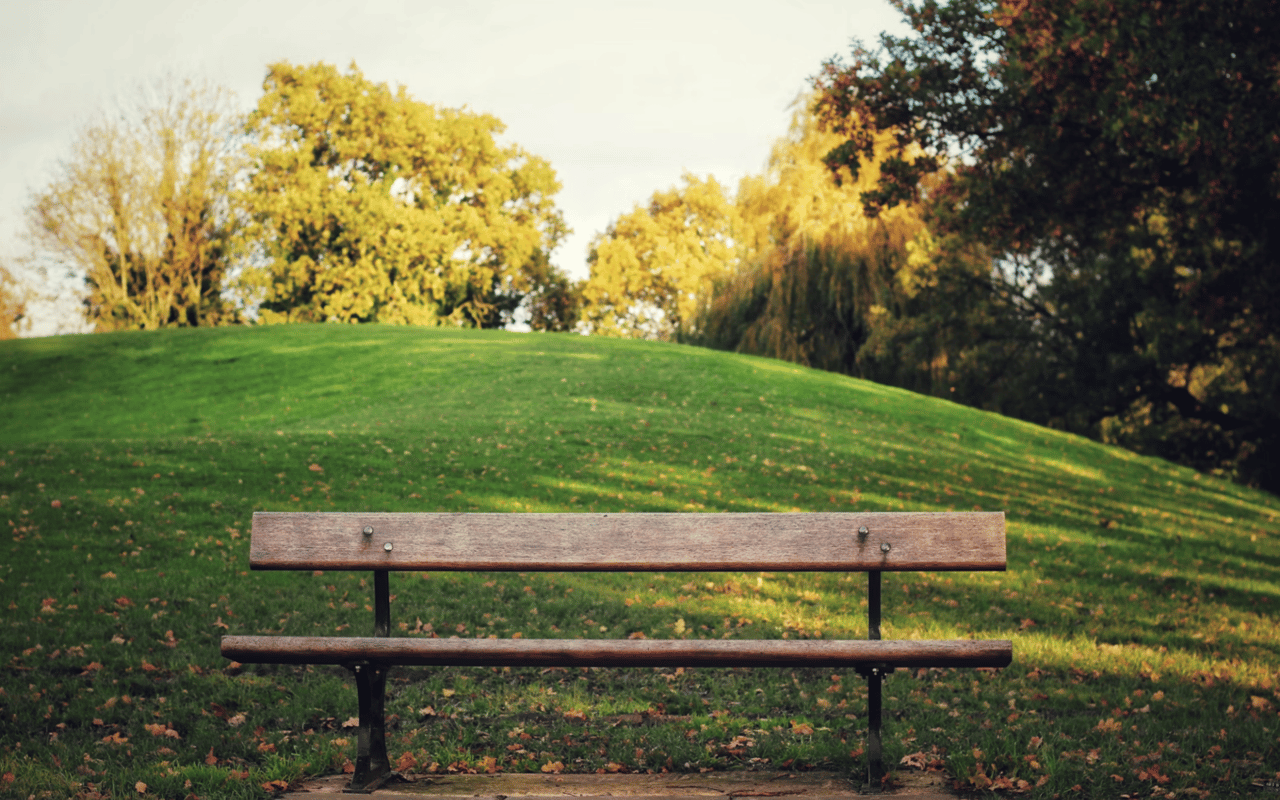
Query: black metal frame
point(874, 673)
point(373, 768)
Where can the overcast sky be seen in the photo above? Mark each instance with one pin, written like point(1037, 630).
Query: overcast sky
point(620, 97)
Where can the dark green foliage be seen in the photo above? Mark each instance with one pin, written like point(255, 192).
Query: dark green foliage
point(554, 304)
point(1121, 160)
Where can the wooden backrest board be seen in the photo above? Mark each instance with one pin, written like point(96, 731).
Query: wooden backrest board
point(642, 542)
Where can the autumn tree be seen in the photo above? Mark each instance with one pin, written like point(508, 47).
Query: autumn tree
point(368, 205)
point(651, 266)
point(1122, 162)
point(140, 209)
point(13, 302)
point(827, 285)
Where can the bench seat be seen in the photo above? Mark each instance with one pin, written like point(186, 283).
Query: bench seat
point(455, 652)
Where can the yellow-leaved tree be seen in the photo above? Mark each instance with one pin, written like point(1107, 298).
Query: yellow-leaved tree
point(13, 303)
point(368, 205)
point(140, 211)
point(825, 284)
point(650, 268)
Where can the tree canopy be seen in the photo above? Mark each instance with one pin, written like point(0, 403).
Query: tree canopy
point(13, 302)
point(1121, 161)
point(141, 211)
point(369, 205)
point(652, 266)
point(822, 284)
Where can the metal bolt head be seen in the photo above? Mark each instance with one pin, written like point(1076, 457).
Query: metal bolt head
point(884, 547)
point(862, 532)
point(387, 547)
point(368, 530)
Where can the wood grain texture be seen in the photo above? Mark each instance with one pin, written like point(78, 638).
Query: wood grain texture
point(617, 652)
point(657, 542)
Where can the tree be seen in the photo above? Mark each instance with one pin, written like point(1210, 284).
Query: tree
point(651, 266)
point(141, 210)
point(13, 303)
point(1121, 159)
point(826, 285)
point(555, 303)
point(370, 206)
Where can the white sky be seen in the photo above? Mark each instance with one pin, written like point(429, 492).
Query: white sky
point(620, 97)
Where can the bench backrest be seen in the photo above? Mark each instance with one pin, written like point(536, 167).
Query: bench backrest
point(639, 542)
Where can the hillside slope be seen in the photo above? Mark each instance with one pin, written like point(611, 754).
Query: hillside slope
point(143, 455)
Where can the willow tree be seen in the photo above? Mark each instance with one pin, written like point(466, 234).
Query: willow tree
point(651, 266)
point(828, 285)
point(141, 209)
point(370, 206)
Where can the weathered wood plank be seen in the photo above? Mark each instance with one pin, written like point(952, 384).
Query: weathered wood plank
point(617, 652)
point(629, 542)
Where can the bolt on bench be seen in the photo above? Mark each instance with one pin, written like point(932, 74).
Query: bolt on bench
point(820, 542)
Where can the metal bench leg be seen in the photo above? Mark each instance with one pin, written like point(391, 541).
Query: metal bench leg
point(874, 673)
point(373, 768)
point(875, 749)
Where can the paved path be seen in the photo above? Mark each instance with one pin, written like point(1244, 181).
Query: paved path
point(732, 785)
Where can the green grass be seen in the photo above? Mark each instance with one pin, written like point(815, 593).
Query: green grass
point(1141, 597)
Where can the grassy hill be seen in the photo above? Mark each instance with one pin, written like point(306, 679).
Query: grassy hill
point(1141, 596)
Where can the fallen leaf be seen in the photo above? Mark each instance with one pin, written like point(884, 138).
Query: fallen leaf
point(140, 787)
point(555, 767)
point(162, 730)
point(916, 760)
point(406, 762)
point(801, 728)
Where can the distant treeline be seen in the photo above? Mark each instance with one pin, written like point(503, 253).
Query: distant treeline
point(1065, 212)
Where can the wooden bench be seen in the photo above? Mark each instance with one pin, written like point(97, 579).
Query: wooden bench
point(820, 542)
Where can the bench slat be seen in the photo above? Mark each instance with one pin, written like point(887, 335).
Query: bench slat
point(645, 542)
point(617, 652)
